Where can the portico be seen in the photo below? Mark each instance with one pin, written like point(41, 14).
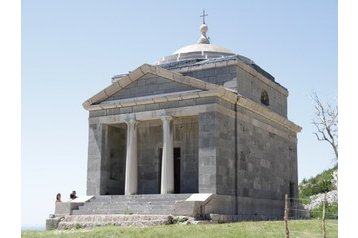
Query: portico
point(139, 153)
point(167, 163)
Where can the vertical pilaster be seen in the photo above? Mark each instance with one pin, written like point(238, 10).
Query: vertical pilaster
point(208, 152)
point(167, 178)
point(95, 156)
point(131, 159)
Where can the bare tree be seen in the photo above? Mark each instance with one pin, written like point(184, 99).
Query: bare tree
point(326, 123)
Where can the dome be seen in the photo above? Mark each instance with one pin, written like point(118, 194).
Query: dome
point(200, 51)
point(203, 48)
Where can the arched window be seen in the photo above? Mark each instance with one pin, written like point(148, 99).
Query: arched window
point(265, 98)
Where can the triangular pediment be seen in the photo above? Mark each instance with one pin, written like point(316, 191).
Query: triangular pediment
point(146, 81)
point(150, 84)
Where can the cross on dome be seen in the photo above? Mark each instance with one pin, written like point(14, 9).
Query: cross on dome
point(203, 16)
point(203, 29)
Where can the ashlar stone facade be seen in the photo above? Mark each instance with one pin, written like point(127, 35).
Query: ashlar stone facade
point(212, 122)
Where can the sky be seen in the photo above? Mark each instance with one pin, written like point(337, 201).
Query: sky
point(71, 49)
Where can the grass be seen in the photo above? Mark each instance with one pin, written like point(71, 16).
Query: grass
point(262, 229)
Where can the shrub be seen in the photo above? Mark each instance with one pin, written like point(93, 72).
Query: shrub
point(78, 226)
point(319, 184)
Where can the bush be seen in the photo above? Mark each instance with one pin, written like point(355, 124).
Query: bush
point(179, 220)
point(319, 184)
point(78, 226)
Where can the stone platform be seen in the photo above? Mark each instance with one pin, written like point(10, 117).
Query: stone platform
point(127, 210)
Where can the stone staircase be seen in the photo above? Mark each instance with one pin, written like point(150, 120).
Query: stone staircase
point(145, 204)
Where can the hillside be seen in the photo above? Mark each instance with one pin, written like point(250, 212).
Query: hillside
point(313, 190)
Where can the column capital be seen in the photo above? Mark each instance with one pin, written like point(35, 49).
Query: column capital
point(166, 118)
point(130, 121)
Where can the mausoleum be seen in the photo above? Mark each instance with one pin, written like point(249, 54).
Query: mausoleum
point(200, 132)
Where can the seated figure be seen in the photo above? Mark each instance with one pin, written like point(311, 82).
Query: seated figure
point(73, 195)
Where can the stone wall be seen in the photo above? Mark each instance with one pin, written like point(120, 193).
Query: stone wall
point(107, 155)
point(252, 88)
point(266, 166)
point(106, 159)
point(267, 158)
point(246, 84)
point(95, 148)
point(220, 76)
point(245, 208)
point(208, 140)
point(186, 137)
point(149, 140)
point(226, 157)
point(113, 165)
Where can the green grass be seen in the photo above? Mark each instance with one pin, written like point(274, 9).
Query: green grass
point(262, 229)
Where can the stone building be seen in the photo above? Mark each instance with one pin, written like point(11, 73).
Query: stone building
point(204, 131)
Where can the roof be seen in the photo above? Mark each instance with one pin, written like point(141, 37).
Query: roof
point(196, 62)
point(205, 89)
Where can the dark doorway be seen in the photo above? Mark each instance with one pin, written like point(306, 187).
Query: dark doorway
point(176, 170)
point(160, 168)
point(176, 154)
point(291, 188)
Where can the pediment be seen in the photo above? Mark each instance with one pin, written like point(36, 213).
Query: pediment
point(147, 81)
point(150, 84)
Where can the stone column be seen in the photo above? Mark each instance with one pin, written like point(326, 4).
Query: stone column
point(130, 186)
point(167, 182)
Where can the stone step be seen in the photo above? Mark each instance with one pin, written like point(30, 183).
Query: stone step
point(133, 204)
point(99, 212)
point(133, 200)
point(135, 209)
point(130, 207)
point(143, 203)
point(123, 212)
point(126, 203)
point(119, 220)
point(114, 218)
point(70, 225)
point(143, 196)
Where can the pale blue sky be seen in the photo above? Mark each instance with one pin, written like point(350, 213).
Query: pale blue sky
point(71, 49)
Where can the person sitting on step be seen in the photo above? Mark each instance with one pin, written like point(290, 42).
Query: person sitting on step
point(58, 197)
point(73, 195)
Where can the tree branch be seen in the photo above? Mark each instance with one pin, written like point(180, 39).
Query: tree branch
point(326, 123)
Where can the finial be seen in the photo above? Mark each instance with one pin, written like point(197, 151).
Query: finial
point(203, 29)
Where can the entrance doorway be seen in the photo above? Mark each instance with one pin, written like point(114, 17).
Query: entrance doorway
point(176, 170)
point(176, 154)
